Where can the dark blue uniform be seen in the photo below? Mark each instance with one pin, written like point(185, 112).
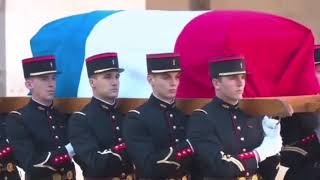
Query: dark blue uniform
point(223, 138)
point(301, 149)
point(38, 135)
point(97, 129)
point(155, 137)
point(8, 170)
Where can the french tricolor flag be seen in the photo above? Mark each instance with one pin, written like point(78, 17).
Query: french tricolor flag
point(278, 51)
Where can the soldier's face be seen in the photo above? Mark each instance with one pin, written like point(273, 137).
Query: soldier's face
point(164, 85)
point(230, 88)
point(318, 72)
point(42, 87)
point(106, 85)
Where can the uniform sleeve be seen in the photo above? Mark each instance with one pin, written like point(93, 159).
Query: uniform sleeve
point(24, 149)
point(5, 149)
point(151, 162)
point(209, 150)
point(96, 161)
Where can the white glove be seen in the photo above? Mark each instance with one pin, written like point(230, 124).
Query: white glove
point(270, 146)
point(271, 127)
point(70, 150)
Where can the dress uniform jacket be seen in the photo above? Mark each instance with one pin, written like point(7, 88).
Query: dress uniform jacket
point(38, 135)
point(8, 170)
point(301, 149)
point(223, 137)
point(95, 134)
point(155, 137)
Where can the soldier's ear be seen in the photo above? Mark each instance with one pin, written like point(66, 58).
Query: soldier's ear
point(150, 79)
point(28, 84)
point(215, 83)
point(91, 82)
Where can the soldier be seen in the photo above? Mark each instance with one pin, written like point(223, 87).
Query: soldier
point(8, 170)
point(229, 143)
point(155, 132)
point(37, 131)
point(301, 151)
point(95, 131)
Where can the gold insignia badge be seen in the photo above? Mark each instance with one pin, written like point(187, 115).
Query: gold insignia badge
point(173, 62)
point(129, 177)
point(241, 65)
point(56, 176)
point(112, 61)
point(51, 65)
point(69, 175)
point(10, 167)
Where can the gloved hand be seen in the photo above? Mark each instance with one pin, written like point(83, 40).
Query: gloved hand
point(271, 127)
point(270, 146)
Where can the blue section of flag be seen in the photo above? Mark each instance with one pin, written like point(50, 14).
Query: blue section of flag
point(66, 39)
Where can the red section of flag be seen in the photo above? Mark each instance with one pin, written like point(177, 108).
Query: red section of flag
point(278, 51)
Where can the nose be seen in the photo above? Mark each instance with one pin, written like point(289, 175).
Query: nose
point(52, 82)
point(240, 81)
point(174, 81)
point(115, 81)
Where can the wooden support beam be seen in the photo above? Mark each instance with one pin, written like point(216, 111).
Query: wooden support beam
point(271, 106)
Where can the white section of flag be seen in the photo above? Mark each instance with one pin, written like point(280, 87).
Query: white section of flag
point(133, 34)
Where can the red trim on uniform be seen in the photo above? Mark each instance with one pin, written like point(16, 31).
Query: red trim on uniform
point(308, 139)
point(101, 56)
point(317, 46)
point(246, 155)
point(227, 58)
point(61, 159)
point(36, 59)
point(184, 153)
point(119, 147)
point(162, 55)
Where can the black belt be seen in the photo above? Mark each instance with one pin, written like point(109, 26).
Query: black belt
point(127, 177)
point(252, 177)
point(68, 175)
point(186, 177)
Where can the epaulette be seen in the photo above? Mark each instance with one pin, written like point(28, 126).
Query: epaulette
point(15, 112)
point(78, 112)
point(134, 111)
point(201, 110)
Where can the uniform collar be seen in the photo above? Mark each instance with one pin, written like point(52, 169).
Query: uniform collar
point(40, 106)
point(162, 104)
point(104, 104)
point(225, 104)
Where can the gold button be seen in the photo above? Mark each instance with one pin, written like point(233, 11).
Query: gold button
point(117, 128)
point(174, 127)
point(119, 139)
point(234, 117)
point(242, 138)
point(247, 174)
point(244, 150)
point(238, 127)
point(177, 140)
point(171, 115)
point(113, 116)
